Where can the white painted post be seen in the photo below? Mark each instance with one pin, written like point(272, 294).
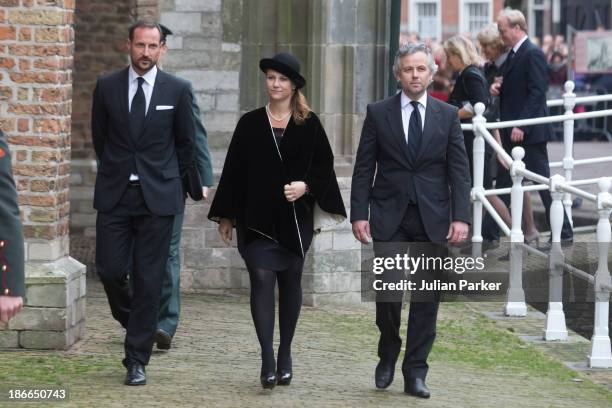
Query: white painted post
point(601, 353)
point(569, 102)
point(555, 317)
point(515, 306)
point(478, 166)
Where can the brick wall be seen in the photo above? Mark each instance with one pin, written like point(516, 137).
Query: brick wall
point(36, 69)
point(36, 60)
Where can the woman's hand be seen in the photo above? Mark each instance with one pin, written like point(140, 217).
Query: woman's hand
point(225, 230)
point(501, 161)
point(294, 190)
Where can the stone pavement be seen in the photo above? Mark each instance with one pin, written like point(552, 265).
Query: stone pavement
point(476, 362)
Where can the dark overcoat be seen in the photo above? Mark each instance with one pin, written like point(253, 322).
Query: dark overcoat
point(251, 188)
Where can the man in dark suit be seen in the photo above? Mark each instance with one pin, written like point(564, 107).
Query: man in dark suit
point(522, 93)
point(12, 288)
point(170, 301)
point(143, 131)
point(412, 180)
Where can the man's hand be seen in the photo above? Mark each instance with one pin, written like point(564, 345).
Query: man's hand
point(361, 231)
point(9, 307)
point(457, 232)
point(294, 190)
point(517, 135)
point(225, 230)
point(205, 193)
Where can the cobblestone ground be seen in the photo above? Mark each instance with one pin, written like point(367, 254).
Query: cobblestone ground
point(476, 362)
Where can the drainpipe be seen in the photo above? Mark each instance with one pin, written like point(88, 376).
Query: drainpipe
point(396, 13)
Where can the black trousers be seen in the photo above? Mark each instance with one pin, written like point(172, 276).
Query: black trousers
point(130, 239)
point(536, 160)
point(423, 313)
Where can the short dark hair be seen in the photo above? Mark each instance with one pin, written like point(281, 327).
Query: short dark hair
point(144, 24)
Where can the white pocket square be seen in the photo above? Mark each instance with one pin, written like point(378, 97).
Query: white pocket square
point(164, 107)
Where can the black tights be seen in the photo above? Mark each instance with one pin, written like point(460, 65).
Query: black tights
point(262, 310)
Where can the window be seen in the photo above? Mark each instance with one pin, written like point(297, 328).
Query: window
point(475, 14)
point(425, 18)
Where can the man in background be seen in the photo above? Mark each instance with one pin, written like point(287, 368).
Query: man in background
point(169, 305)
point(522, 94)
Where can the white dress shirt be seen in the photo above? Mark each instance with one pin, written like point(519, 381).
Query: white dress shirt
point(407, 111)
point(147, 88)
point(147, 85)
point(518, 44)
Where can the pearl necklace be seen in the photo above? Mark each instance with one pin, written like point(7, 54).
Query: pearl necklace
point(274, 117)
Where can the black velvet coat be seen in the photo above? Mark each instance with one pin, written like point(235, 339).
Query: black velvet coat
point(251, 188)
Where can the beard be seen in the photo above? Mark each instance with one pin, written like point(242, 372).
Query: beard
point(144, 64)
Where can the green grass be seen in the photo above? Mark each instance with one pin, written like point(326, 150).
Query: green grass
point(49, 368)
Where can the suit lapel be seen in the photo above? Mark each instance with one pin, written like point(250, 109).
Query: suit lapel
point(431, 118)
point(518, 54)
point(124, 96)
point(394, 117)
point(158, 91)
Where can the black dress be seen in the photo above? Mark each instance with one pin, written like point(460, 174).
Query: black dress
point(471, 86)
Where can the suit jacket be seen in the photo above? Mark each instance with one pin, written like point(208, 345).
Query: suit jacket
point(159, 155)
point(523, 92)
point(385, 176)
point(11, 237)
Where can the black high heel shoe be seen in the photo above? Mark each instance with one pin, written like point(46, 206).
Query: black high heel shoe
point(284, 373)
point(284, 377)
point(268, 381)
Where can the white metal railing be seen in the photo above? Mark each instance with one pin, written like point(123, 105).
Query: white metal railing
point(561, 188)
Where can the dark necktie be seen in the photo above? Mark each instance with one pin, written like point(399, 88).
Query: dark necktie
point(415, 131)
point(137, 110)
point(508, 61)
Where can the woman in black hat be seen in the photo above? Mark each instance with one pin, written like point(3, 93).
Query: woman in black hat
point(277, 186)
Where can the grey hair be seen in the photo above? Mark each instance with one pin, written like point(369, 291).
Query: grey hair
point(514, 17)
point(412, 48)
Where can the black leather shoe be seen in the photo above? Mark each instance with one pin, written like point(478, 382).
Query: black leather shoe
point(383, 376)
point(163, 340)
point(135, 375)
point(268, 381)
point(416, 387)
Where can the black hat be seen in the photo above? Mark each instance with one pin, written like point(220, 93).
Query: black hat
point(286, 64)
point(165, 31)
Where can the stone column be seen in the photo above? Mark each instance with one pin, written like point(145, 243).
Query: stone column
point(36, 87)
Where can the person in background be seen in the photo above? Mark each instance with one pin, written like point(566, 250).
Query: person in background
point(495, 53)
point(522, 93)
point(169, 304)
